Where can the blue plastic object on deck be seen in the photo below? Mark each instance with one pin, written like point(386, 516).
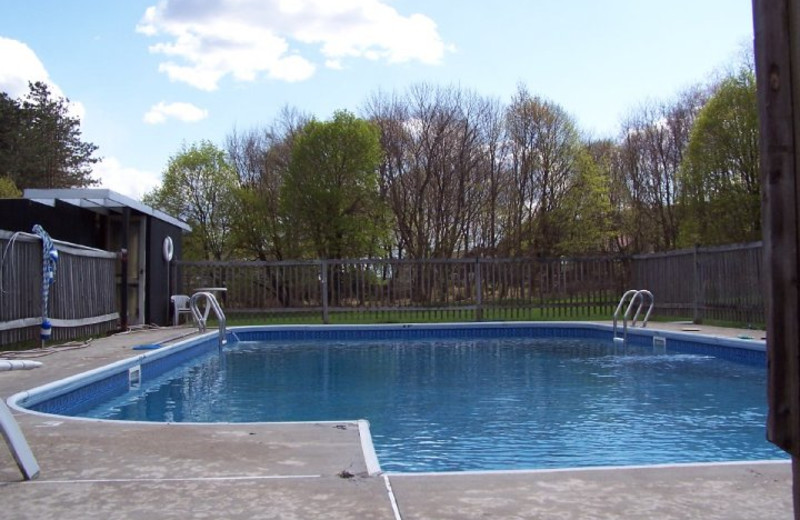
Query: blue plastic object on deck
point(148, 346)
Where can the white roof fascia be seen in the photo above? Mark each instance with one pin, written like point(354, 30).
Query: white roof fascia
point(97, 199)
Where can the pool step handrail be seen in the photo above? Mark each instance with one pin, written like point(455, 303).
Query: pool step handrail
point(202, 318)
point(632, 296)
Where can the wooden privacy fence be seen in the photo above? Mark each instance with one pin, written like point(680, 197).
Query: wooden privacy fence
point(719, 283)
point(462, 289)
point(82, 301)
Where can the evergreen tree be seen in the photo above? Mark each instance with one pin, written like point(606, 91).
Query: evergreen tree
point(40, 142)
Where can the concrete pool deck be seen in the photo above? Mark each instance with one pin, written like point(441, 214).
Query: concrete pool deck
point(92, 469)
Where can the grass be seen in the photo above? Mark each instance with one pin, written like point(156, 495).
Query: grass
point(450, 315)
point(400, 316)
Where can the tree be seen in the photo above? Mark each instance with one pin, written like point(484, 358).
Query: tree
point(330, 194)
point(721, 170)
point(544, 145)
point(440, 171)
point(198, 187)
point(651, 152)
point(261, 158)
point(584, 219)
point(40, 142)
point(9, 190)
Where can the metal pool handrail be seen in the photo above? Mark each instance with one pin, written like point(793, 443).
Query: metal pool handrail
point(634, 295)
point(20, 449)
point(201, 318)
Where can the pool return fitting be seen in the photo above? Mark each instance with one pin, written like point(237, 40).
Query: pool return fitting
point(632, 296)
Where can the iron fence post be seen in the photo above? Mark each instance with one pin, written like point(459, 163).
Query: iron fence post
point(478, 291)
point(323, 277)
point(696, 287)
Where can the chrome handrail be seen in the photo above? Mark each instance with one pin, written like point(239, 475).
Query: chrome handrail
point(211, 304)
point(634, 295)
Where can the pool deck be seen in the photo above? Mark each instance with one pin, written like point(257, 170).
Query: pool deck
point(93, 469)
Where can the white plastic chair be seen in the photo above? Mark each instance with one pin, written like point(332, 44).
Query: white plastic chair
point(180, 305)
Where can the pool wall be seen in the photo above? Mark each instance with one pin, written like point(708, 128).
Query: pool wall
point(94, 386)
point(83, 390)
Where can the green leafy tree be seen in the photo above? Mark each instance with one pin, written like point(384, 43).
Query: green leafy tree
point(330, 194)
point(198, 187)
point(585, 218)
point(9, 190)
point(40, 142)
point(720, 172)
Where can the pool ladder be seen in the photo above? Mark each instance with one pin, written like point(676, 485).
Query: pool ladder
point(632, 297)
point(202, 317)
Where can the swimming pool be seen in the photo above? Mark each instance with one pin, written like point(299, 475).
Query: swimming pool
point(454, 398)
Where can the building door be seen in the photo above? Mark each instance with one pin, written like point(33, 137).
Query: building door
point(136, 264)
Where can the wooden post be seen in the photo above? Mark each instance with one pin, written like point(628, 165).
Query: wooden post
point(123, 286)
point(777, 31)
point(323, 278)
point(478, 291)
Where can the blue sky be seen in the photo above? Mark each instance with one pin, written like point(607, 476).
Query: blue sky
point(149, 75)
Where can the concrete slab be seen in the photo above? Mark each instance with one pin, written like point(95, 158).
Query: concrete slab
point(245, 499)
point(87, 450)
point(708, 492)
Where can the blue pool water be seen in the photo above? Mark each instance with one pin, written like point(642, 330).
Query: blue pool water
point(454, 405)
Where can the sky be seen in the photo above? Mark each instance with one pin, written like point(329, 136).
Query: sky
point(147, 77)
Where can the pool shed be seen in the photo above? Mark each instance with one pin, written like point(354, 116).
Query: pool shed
point(148, 241)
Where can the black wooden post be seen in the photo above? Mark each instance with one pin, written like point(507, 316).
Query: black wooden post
point(123, 286)
point(777, 30)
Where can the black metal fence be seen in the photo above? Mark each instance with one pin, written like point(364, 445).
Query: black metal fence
point(82, 301)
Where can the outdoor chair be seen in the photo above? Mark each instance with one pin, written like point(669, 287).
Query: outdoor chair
point(180, 305)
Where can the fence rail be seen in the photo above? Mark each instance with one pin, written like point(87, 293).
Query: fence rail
point(82, 301)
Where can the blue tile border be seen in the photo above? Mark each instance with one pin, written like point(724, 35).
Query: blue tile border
point(91, 388)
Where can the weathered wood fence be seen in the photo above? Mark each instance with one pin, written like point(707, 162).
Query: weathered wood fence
point(711, 283)
point(723, 283)
point(82, 301)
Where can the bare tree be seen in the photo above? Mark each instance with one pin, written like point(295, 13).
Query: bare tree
point(652, 148)
point(543, 144)
point(432, 174)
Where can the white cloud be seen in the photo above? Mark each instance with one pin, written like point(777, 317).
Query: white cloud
point(205, 42)
point(334, 64)
point(19, 66)
point(186, 112)
point(128, 181)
